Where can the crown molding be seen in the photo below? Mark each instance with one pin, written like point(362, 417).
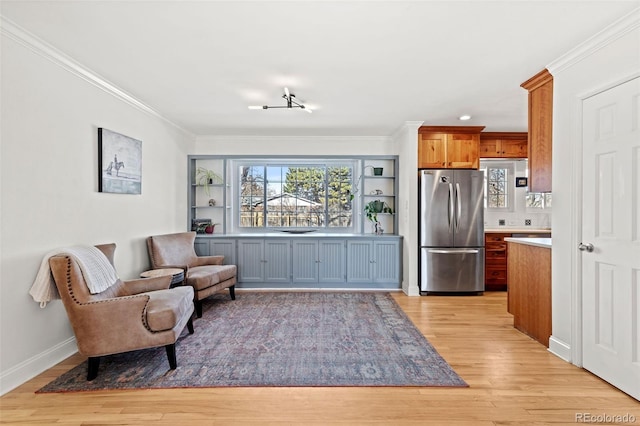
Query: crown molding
point(290, 138)
point(30, 41)
point(619, 28)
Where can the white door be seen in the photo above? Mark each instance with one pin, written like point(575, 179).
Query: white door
point(611, 224)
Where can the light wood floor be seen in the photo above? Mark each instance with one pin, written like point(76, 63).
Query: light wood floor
point(513, 380)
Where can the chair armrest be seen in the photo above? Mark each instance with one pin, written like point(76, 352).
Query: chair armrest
point(142, 285)
point(209, 260)
point(110, 325)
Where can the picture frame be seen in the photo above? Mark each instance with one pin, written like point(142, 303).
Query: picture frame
point(521, 181)
point(119, 163)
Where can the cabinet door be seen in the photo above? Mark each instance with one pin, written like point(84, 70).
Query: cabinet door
point(540, 88)
point(463, 151)
point(332, 266)
point(305, 261)
point(432, 149)
point(359, 261)
point(201, 247)
point(386, 261)
point(490, 148)
point(277, 261)
point(226, 248)
point(513, 148)
point(250, 261)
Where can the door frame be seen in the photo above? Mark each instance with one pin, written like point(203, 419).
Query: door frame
point(576, 213)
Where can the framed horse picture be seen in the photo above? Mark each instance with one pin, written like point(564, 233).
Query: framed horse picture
point(119, 163)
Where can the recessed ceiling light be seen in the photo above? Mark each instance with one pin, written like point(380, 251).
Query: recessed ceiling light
point(464, 117)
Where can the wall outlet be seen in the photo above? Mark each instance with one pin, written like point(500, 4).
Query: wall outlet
point(527, 222)
point(501, 222)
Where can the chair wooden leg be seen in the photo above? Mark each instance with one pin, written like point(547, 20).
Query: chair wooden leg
point(190, 325)
point(93, 364)
point(198, 305)
point(232, 292)
point(171, 355)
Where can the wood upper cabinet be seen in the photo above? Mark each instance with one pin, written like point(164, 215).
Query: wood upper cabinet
point(449, 147)
point(540, 88)
point(503, 145)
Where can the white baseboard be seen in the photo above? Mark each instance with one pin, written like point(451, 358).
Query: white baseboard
point(560, 349)
point(35, 365)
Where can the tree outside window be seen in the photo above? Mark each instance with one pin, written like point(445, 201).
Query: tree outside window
point(296, 196)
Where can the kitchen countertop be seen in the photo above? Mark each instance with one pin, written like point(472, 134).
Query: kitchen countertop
point(538, 242)
point(506, 230)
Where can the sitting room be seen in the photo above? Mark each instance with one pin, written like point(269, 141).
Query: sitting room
point(248, 175)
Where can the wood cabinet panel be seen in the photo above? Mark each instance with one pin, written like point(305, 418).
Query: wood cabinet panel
point(495, 263)
point(503, 145)
point(451, 147)
point(432, 148)
point(540, 89)
point(529, 296)
point(463, 151)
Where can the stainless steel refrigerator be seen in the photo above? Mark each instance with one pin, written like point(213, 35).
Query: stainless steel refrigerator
point(451, 227)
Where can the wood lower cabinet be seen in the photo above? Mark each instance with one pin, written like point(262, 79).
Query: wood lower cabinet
point(449, 147)
point(529, 297)
point(540, 88)
point(503, 145)
point(495, 261)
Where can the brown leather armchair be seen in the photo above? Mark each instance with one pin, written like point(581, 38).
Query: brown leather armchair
point(129, 315)
point(206, 274)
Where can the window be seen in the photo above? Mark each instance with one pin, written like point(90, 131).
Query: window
point(538, 200)
point(295, 195)
point(498, 188)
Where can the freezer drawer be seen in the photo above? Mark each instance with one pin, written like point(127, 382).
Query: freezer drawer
point(451, 270)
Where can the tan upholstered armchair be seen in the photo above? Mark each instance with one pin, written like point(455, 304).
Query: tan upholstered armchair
point(206, 274)
point(129, 315)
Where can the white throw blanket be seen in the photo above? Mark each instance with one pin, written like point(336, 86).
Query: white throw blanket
point(98, 273)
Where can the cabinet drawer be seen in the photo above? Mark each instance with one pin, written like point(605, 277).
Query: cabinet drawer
point(495, 254)
point(496, 276)
point(495, 237)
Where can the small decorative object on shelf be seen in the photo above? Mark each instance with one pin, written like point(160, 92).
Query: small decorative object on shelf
point(378, 229)
point(209, 229)
point(372, 208)
point(377, 171)
point(206, 177)
point(212, 202)
point(200, 225)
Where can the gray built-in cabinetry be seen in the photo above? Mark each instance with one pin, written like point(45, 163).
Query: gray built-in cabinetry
point(310, 262)
point(359, 260)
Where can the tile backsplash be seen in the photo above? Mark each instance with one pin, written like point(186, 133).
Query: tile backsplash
point(521, 216)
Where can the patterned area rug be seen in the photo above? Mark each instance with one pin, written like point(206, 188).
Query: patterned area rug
point(282, 339)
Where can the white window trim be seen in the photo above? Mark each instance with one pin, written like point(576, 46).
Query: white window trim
point(235, 165)
point(511, 183)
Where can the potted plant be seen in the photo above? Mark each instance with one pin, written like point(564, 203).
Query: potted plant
point(206, 177)
point(210, 228)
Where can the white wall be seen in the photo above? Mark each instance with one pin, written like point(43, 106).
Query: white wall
point(607, 59)
point(294, 145)
point(49, 195)
point(406, 143)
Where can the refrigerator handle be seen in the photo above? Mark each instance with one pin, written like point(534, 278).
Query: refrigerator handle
point(454, 251)
point(451, 206)
point(458, 206)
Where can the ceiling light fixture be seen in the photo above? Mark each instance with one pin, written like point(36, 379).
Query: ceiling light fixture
point(290, 103)
point(464, 117)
